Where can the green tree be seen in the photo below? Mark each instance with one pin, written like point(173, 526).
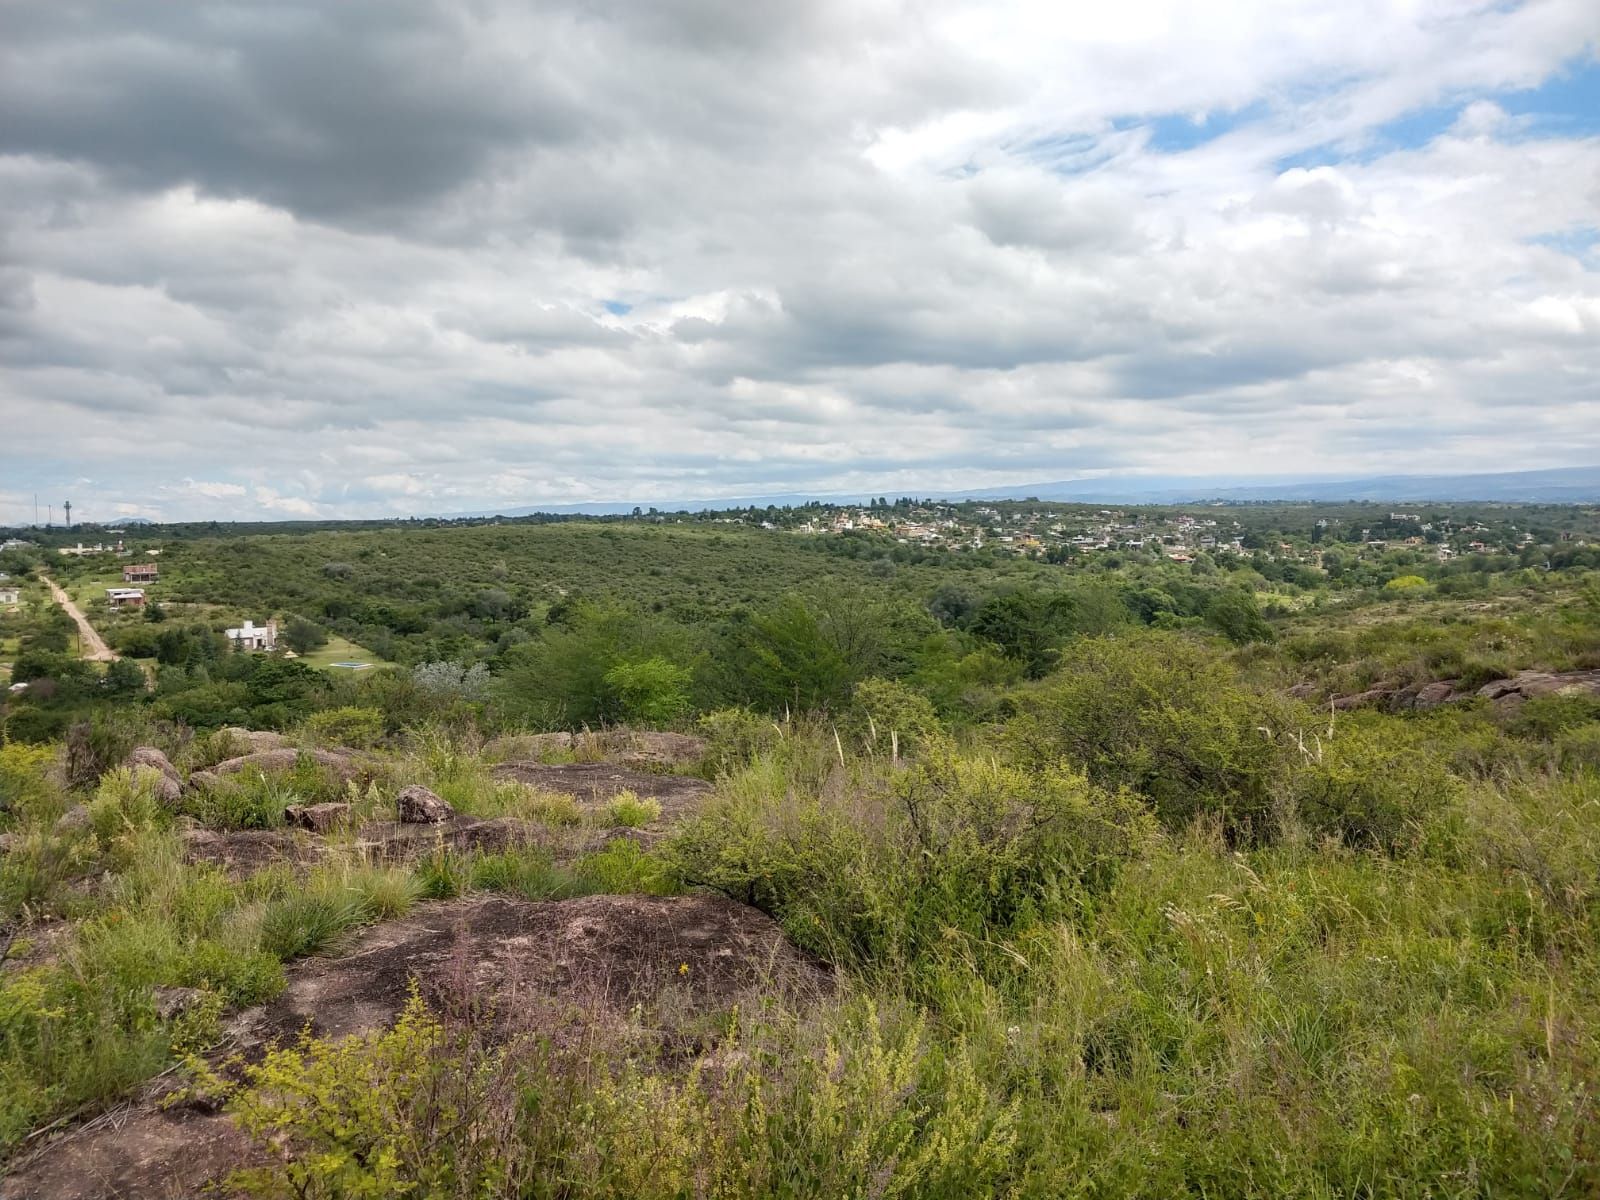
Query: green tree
point(125, 677)
point(654, 690)
point(1235, 614)
point(303, 636)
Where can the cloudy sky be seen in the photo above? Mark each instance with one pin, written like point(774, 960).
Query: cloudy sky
point(377, 257)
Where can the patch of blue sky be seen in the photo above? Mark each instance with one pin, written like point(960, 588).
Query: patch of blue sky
point(617, 308)
point(1580, 242)
point(1064, 153)
point(1173, 133)
point(1565, 105)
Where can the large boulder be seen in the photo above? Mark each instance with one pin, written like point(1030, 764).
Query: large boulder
point(340, 763)
point(74, 820)
point(644, 748)
point(1432, 695)
point(419, 806)
point(318, 818)
point(1377, 695)
point(170, 789)
point(254, 740)
point(528, 745)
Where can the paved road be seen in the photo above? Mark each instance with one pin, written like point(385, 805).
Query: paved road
point(94, 646)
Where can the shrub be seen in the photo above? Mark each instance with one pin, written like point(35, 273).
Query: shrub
point(632, 812)
point(452, 680)
point(1372, 782)
point(305, 922)
point(1236, 615)
point(1406, 583)
point(1579, 748)
point(955, 852)
point(126, 802)
point(884, 713)
point(360, 728)
point(245, 800)
point(654, 690)
point(736, 736)
point(96, 745)
point(1547, 717)
point(1168, 718)
point(872, 1105)
point(26, 787)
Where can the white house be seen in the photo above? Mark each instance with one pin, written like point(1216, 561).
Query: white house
point(9, 595)
point(251, 636)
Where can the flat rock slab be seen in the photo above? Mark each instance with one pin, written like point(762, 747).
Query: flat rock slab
point(340, 763)
point(596, 784)
point(243, 852)
point(595, 955)
point(138, 1154)
point(533, 965)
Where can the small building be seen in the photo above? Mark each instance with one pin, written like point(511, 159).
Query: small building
point(140, 573)
point(251, 636)
point(9, 595)
point(125, 597)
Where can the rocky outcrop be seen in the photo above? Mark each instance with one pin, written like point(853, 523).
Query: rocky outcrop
point(1505, 694)
point(341, 763)
point(1525, 685)
point(254, 740)
point(593, 785)
point(555, 969)
point(1377, 695)
point(418, 806)
point(646, 749)
point(170, 789)
point(629, 747)
point(1432, 695)
point(74, 820)
point(318, 818)
point(173, 1002)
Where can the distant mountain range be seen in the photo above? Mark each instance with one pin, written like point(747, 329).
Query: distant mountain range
point(1559, 485)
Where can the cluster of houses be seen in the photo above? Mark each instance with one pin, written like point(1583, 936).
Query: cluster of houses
point(132, 597)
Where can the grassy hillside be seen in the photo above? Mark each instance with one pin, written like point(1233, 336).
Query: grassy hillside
point(1102, 883)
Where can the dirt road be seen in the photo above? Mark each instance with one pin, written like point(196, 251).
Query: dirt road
point(94, 646)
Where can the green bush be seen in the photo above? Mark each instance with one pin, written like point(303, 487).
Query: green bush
point(243, 800)
point(871, 1105)
point(653, 690)
point(1547, 717)
point(101, 742)
point(630, 811)
point(1370, 781)
point(736, 736)
point(359, 728)
point(884, 713)
point(955, 851)
point(303, 923)
point(1168, 718)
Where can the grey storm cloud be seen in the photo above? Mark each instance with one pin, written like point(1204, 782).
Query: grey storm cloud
point(389, 256)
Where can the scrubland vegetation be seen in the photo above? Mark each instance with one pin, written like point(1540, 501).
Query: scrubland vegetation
point(1115, 902)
